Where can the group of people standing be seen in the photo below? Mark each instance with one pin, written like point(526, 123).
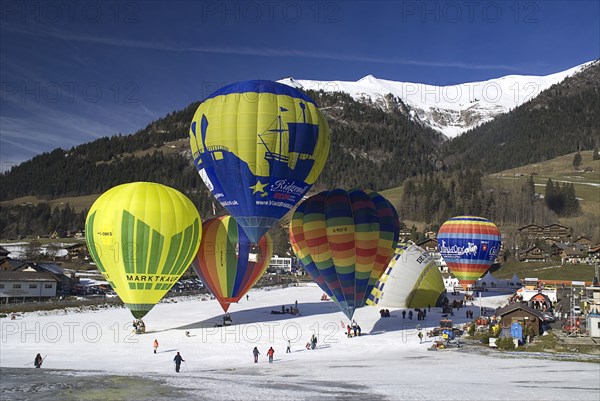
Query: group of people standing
point(421, 313)
point(354, 329)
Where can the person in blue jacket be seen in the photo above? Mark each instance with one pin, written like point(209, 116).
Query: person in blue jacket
point(178, 359)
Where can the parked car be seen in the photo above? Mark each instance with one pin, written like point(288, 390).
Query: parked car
point(576, 311)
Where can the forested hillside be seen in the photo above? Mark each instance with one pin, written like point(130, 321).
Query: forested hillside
point(372, 146)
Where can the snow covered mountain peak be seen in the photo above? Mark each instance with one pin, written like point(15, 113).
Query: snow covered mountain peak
point(451, 109)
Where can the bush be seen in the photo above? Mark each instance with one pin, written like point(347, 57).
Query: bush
point(505, 343)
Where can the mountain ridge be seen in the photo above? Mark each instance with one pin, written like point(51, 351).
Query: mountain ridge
point(451, 109)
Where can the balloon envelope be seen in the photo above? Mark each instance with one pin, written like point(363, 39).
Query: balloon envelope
point(469, 246)
point(412, 280)
point(142, 237)
point(259, 146)
point(227, 263)
point(344, 241)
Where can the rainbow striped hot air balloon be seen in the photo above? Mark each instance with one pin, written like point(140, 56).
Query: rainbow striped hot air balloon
point(345, 240)
point(469, 245)
point(227, 262)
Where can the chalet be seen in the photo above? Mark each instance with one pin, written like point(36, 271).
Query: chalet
point(429, 244)
point(556, 248)
point(552, 241)
point(553, 231)
point(556, 231)
point(573, 254)
point(532, 231)
point(540, 301)
point(404, 234)
point(560, 249)
point(594, 254)
point(22, 285)
point(77, 252)
point(533, 254)
point(583, 241)
point(521, 313)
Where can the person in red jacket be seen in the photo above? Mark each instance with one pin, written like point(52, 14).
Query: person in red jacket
point(270, 353)
point(155, 345)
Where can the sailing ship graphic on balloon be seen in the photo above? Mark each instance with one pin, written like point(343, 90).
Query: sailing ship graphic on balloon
point(289, 155)
point(258, 176)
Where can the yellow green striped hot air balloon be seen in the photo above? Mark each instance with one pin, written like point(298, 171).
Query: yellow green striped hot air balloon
point(143, 236)
point(412, 280)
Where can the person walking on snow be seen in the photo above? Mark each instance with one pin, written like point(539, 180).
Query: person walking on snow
point(155, 345)
point(288, 350)
point(38, 361)
point(270, 353)
point(178, 359)
point(420, 337)
point(256, 354)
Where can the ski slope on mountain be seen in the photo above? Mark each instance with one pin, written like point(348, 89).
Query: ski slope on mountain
point(451, 109)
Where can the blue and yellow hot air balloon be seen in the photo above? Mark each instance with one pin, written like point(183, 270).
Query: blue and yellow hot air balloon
point(469, 246)
point(259, 146)
point(345, 239)
point(227, 263)
point(142, 236)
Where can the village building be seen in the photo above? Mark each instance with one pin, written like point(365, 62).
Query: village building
point(404, 234)
point(521, 313)
point(584, 241)
point(280, 264)
point(78, 252)
point(557, 231)
point(593, 317)
point(533, 254)
point(64, 282)
point(531, 231)
point(430, 245)
point(23, 285)
point(573, 254)
point(552, 231)
point(593, 255)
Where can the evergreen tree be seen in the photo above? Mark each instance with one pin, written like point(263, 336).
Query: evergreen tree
point(571, 204)
point(577, 160)
point(554, 197)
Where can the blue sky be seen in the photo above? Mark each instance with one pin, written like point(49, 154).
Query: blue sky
point(75, 71)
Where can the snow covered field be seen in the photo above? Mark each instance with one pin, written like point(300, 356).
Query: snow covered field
point(386, 362)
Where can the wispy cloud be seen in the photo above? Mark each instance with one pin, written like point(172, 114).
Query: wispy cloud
point(40, 30)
